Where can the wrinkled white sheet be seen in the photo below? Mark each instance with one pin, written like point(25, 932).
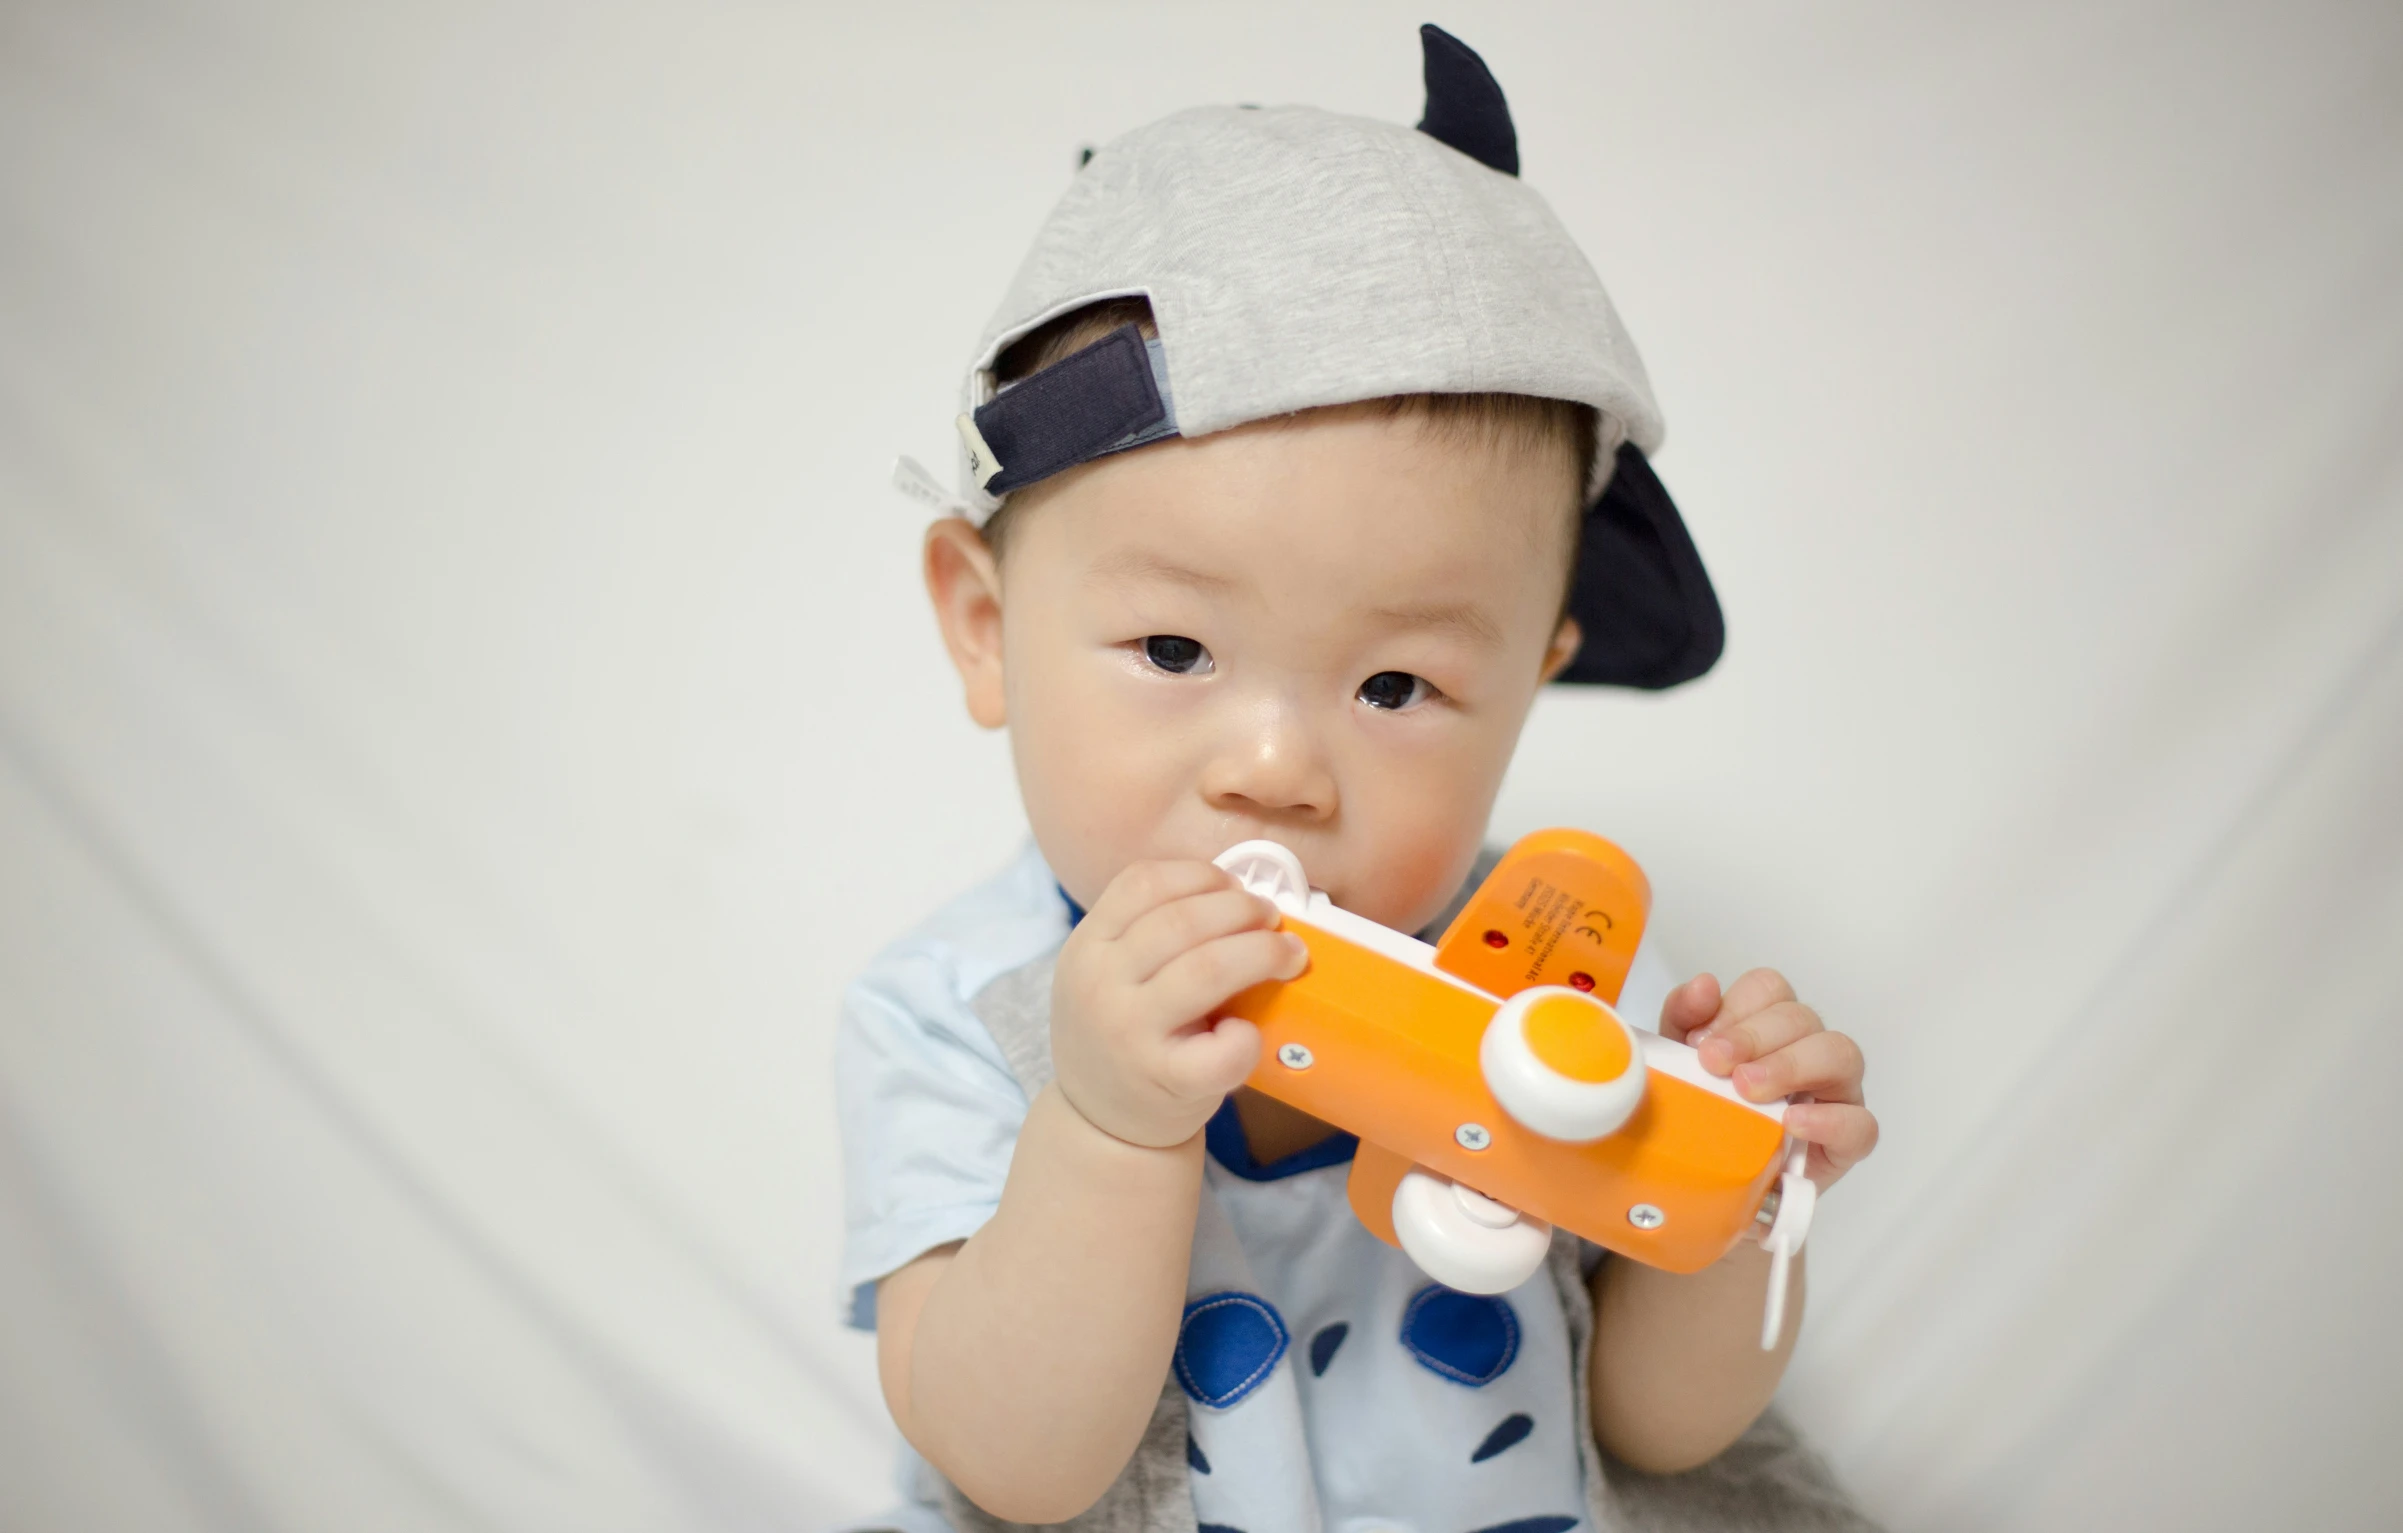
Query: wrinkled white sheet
point(464, 708)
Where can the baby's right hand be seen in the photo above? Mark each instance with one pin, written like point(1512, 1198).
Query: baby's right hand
point(1131, 1036)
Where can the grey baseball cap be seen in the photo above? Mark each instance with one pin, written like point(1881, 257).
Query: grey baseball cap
point(1294, 258)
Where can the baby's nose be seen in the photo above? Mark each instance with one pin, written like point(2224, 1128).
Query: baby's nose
point(1271, 767)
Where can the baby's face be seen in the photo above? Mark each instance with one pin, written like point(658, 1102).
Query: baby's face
point(1325, 632)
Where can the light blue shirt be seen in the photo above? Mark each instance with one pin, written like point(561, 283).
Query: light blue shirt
point(1332, 1385)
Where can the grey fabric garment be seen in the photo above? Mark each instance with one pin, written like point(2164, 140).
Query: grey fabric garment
point(1766, 1481)
point(1296, 257)
point(1015, 1008)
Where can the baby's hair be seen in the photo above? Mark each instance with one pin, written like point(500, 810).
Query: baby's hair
point(1511, 420)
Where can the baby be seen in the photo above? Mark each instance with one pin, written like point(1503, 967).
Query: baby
point(1303, 452)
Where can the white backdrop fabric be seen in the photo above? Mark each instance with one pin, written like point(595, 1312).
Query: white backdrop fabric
point(465, 707)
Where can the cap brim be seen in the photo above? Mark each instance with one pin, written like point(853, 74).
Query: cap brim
point(1641, 596)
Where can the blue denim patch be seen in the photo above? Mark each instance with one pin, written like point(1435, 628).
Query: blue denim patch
point(1469, 1338)
point(1227, 1346)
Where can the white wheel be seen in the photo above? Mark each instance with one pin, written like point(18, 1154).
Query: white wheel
point(1463, 1239)
point(1563, 1064)
point(1270, 871)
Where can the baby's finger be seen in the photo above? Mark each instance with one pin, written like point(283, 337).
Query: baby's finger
point(1143, 886)
point(1840, 1134)
point(1754, 990)
point(1179, 926)
point(1199, 980)
point(1688, 1007)
point(1757, 1036)
point(1827, 1065)
point(1205, 1063)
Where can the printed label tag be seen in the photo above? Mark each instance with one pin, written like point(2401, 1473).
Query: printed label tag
point(911, 479)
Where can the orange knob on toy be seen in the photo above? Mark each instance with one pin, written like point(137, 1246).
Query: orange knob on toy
point(1562, 1063)
point(1578, 1039)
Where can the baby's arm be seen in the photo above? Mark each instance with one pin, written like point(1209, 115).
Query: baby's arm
point(1677, 1371)
point(1024, 1362)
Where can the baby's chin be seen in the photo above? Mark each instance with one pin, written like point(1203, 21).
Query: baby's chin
point(1400, 915)
point(1404, 898)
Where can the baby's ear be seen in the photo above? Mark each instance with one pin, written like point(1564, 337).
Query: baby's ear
point(1567, 639)
point(964, 584)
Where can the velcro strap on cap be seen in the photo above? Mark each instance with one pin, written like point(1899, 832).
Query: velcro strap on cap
point(1103, 399)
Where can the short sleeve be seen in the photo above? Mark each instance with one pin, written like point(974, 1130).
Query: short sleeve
point(930, 1114)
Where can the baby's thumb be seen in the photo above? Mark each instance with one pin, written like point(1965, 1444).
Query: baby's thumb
point(1689, 1006)
point(1212, 1061)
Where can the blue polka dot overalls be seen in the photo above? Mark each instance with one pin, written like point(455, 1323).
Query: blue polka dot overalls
point(1332, 1386)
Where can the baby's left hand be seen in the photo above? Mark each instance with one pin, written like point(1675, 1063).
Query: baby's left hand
point(1774, 1046)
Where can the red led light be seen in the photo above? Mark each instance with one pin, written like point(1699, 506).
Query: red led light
point(1496, 939)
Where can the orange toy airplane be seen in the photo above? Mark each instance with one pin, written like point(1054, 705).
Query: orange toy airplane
point(1495, 1092)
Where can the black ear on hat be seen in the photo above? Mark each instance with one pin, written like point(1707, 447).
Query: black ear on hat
point(1640, 594)
point(1465, 108)
point(1650, 617)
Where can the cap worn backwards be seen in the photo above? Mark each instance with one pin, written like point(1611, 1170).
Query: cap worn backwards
point(1295, 258)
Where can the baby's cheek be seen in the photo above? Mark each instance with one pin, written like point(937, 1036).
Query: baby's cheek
point(1082, 834)
point(1412, 871)
point(1093, 799)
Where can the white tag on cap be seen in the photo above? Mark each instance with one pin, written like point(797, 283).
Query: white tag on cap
point(911, 478)
point(982, 465)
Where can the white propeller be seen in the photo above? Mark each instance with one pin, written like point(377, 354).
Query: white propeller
point(1797, 1197)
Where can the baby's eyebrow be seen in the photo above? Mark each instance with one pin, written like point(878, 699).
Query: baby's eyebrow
point(1132, 564)
point(1465, 619)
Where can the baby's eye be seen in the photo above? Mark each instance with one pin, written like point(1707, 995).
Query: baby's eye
point(1177, 655)
point(1394, 690)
